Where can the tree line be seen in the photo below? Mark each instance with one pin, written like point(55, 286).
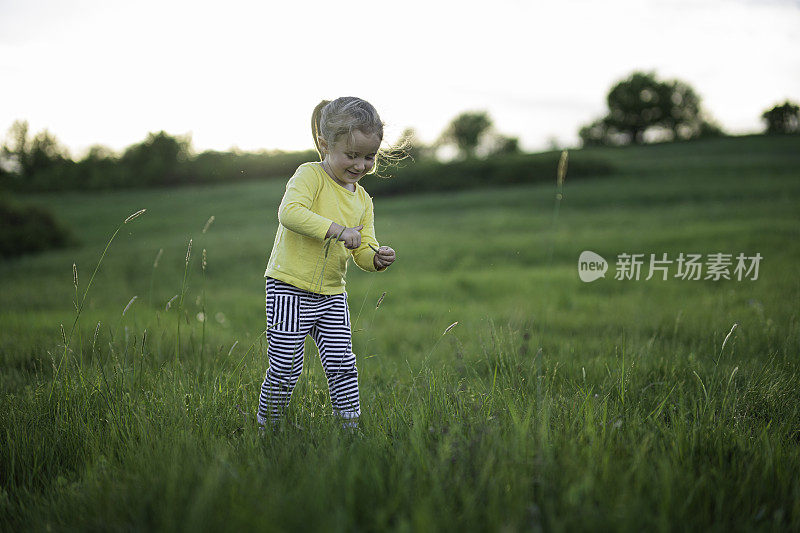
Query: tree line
point(641, 108)
point(41, 163)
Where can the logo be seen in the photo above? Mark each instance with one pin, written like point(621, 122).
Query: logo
point(715, 266)
point(591, 266)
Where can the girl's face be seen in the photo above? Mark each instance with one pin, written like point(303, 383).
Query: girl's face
point(349, 160)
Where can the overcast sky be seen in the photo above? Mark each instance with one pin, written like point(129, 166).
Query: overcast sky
point(248, 74)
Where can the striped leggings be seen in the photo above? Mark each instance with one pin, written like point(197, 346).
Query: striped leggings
point(292, 314)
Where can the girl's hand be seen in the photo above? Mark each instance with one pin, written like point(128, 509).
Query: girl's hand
point(351, 237)
point(384, 257)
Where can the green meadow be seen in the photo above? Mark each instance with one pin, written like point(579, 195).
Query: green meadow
point(553, 404)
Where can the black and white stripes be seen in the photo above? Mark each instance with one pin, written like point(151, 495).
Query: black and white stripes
point(287, 312)
point(292, 314)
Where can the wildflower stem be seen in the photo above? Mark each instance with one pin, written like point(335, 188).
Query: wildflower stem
point(180, 301)
point(203, 310)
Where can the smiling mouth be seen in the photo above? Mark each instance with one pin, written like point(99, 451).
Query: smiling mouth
point(354, 173)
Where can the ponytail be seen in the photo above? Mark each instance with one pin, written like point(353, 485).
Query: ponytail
point(316, 131)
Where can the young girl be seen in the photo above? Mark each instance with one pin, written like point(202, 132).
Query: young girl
point(306, 271)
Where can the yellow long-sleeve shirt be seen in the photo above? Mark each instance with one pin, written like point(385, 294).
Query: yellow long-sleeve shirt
point(311, 202)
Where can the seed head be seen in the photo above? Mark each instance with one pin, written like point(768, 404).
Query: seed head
point(189, 251)
point(158, 256)
point(96, 331)
point(169, 303)
point(204, 259)
point(128, 306)
point(232, 347)
point(728, 336)
point(75, 275)
point(380, 300)
point(136, 214)
point(451, 326)
point(562, 167)
point(208, 223)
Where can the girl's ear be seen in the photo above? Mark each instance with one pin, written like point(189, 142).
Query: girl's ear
point(323, 145)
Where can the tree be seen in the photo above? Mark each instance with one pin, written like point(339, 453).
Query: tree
point(16, 149)
point(680, 106)
point(504, 145)
point(46, 153)
point(466, 131)
point(596, 133)
point(635, 104)
point(32, 156)
point(98, 151)
point(642, 103)
point(155, 161)
point(782, 119)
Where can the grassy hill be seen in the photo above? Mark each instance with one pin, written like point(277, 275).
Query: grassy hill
point(612, 404)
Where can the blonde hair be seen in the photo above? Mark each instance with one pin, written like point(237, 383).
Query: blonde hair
point(332, 119)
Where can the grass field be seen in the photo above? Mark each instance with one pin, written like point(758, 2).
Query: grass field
point(553, 404)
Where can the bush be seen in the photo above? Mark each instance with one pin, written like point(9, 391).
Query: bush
point(499, 170)
point(782, 119)
point(229, 167)
point(27, 229)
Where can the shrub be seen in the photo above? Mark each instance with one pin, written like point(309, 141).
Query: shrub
point(782, 119)
point(428, 175)
point(27, 229)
